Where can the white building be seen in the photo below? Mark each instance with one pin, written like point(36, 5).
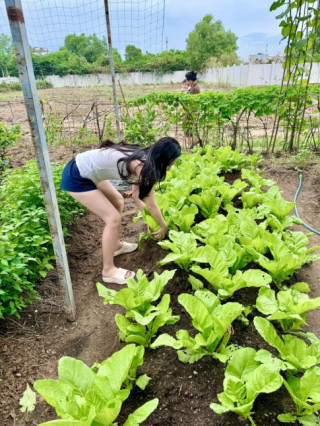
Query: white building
point(40, 51)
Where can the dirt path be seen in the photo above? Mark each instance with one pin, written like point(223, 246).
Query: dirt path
point(31, 347)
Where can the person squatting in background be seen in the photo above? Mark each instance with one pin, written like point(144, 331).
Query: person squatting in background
point(191, 78)
point(86, 178)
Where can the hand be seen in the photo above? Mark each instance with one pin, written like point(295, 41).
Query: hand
point(161, 233)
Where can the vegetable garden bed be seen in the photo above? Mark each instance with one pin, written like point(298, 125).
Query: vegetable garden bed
point(32, 346)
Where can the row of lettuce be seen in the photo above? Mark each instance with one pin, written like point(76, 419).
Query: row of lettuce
point(227, 237)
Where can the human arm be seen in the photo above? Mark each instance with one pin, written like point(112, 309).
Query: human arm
point(157, 215)
point(149, 202)
point(135, 195)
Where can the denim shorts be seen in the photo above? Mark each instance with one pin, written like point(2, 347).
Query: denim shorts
point(72, 181)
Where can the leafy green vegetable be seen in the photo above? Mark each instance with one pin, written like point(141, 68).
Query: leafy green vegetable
point(142, 413)
point(208, 201)
point(83, 397)
point(305, 392)
point(245, 379)
point(211, 319)
point(142, 319)
point(183, 246)
point(289, 307)
point(227, 285)
point(298, 356)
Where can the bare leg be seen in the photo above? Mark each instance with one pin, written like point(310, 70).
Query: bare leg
point(115, 198)
point(97, 202)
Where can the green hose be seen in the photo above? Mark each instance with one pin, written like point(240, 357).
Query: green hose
point(296, 209)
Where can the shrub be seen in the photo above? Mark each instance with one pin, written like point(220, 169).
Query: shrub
point(25, 243)
point(16, 86)
point(8, 135)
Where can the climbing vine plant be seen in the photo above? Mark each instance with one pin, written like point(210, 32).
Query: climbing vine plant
point(299, 20)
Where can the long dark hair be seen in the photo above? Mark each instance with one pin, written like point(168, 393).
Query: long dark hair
point(155, 158)
point(191, 75)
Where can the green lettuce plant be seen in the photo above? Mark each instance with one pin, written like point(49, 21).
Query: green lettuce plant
point(228, 192)
point(183, 246)
point(212, 320)
point(245, 379)
point(142, 319)
point(225, 284)
point(93, 396)
point(295, 353)
point(289, 306)
point(184, 217)
point(280, 257)
point(207, 200)
point(305, 392)
point(231, 160)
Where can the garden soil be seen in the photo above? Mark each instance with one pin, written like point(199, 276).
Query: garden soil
point(30, 347)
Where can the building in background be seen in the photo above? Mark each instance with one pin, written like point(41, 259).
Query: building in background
point(40, 51)
point(263, 58)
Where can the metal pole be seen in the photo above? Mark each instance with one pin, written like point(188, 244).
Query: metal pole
point(26, 75)
point(113, 77)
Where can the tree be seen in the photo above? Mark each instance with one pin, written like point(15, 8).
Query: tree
point(6, 52)
point(132, 53)
point(209, 39)
point(90, 47)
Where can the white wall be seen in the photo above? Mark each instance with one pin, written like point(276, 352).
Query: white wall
point(236, 76)
point(9, 79)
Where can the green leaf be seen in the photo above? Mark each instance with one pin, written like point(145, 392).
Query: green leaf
point(76, 374)
point(28, 400)
point(125, 298)
point(266, 301)
point(109, 411)
point(166, 340)
point(272, 363)
point(283, 14)
point(218, 408)
point(268, 332)
point(262, 380)
point(142, 381)
point(54, 393)
point(310, 420)
point(242, 364)
point(68, 422)
point(234, 388)
point(302, 287)
point(195, 282)
point(310, 385)
point(276, 4)
point(287, 418)
point(142, 413)
point(117, 367)
point(202, 320)
point(106, 293)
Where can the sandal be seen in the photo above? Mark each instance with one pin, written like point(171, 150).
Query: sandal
point(119, 277)
point(126, 248)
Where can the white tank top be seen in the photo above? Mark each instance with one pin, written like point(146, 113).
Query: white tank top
point(99, 164)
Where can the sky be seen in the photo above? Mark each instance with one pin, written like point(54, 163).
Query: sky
point(140, 22)
point(252, 22)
